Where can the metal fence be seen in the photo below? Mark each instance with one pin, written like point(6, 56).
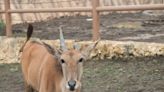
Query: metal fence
point(95, 8)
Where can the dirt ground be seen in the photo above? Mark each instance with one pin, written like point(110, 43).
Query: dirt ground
point(119, 75)
point(124, 27)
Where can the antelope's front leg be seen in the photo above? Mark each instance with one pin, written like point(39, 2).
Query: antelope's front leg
point(78, 90)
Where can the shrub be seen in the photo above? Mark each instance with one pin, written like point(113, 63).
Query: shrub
point(2, 27)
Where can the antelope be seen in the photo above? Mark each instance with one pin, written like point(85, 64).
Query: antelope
point(47, 69)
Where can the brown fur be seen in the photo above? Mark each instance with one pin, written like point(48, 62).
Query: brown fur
point(42, 69)
point(49, 70)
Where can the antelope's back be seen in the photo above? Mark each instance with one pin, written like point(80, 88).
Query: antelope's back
point(33, 60)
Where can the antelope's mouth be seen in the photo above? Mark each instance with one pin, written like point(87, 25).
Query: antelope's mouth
point(72, 89)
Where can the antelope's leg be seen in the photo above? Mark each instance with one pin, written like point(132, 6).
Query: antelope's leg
point(78, 90)
point(28, 88)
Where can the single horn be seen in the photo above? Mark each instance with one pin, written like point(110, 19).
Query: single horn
point(62, 41)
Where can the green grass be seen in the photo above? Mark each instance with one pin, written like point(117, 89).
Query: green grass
point(2, 27)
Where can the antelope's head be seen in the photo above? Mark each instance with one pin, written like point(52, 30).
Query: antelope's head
point(72, 62)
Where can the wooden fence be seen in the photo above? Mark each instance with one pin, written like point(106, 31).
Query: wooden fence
point(94, 7)
point(40, 4)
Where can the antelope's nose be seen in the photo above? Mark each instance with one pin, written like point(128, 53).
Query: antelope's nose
point(72, 85)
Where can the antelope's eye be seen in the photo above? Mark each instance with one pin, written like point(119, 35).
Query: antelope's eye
point(81, 60)
point(62, 61)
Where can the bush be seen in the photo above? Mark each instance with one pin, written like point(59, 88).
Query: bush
point(2, 27)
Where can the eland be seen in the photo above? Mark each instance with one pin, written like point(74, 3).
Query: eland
point(47, 69)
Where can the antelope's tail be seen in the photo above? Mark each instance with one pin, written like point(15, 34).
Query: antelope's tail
point(29, 34)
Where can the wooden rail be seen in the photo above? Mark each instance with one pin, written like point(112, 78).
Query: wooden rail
point(131, 7)
point(1, 11)
point(96, 20)
point(8, 18)
point(95, 9)
point(66, 9)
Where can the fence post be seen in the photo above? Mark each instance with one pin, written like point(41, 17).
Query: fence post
point(8, 18)
point(96, 20)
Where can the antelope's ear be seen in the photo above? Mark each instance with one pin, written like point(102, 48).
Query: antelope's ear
point(86, 50)
point(54, 51)
point(57, 53)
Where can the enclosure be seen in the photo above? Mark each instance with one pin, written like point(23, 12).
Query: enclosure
point(129, 57)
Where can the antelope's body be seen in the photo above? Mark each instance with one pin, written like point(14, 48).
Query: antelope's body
point(38, 73)
point(50, 70)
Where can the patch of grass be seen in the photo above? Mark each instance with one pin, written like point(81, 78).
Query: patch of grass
point(2, 27)
point(128, 25)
